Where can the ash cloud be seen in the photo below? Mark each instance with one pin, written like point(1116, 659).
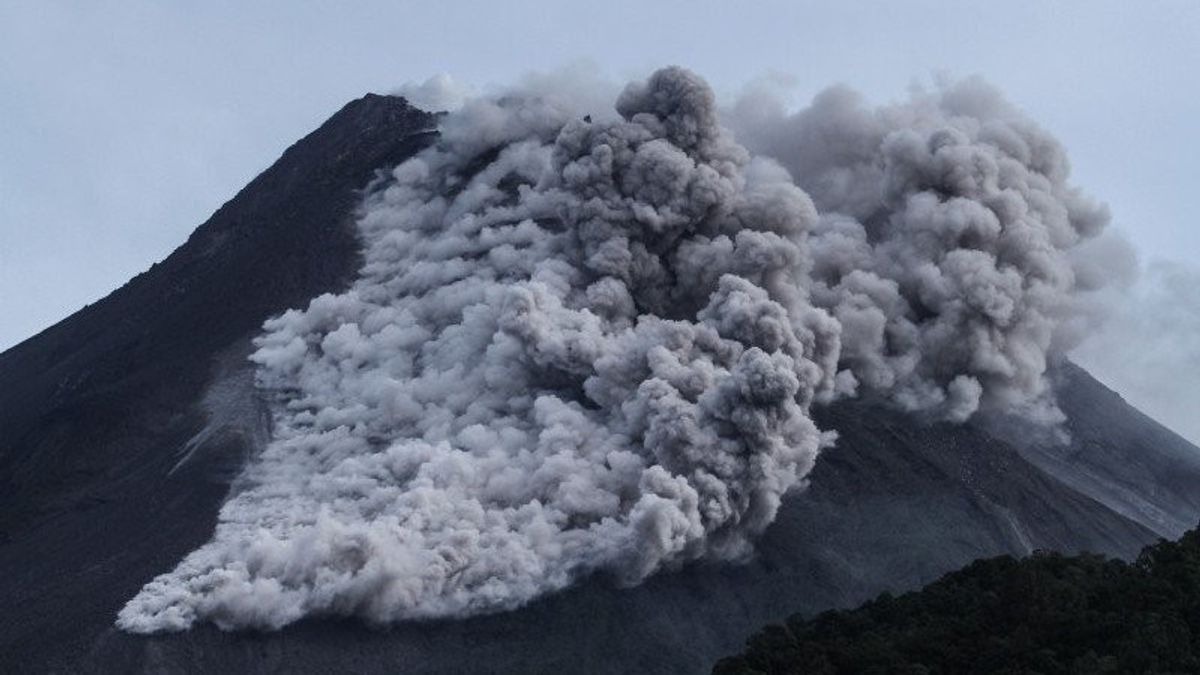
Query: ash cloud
point(438, 93)
point(587, 341)
point(946, 246)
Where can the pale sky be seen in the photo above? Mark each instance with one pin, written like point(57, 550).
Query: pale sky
point(124, 125)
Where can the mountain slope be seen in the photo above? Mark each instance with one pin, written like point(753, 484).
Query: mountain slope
point(94, 410)
point(1141, 470)
point(121, 427)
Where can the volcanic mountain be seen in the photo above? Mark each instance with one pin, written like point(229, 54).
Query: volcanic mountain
point(123, 429)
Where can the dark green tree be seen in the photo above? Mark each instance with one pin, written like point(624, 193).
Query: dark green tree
point(1047, 613)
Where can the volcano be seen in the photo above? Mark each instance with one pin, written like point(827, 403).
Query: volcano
point(124, 428)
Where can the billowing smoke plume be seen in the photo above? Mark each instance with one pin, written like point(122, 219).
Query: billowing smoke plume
point(945, 246)
point(585, 346)
point(436, 94)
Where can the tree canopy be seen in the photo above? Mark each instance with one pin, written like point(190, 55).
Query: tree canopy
point(1047, 613)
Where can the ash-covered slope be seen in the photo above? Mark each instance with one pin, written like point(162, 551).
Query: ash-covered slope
point(97, 413)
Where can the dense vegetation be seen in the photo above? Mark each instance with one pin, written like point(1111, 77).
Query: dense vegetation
point(1047, 613)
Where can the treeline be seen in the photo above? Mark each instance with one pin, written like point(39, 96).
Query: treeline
point(1047, 613)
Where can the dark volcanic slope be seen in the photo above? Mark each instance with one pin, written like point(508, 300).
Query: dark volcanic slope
point(96, 413)
point(94, 410)
point(1122, 458)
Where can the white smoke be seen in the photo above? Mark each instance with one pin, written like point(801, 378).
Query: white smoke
point(439, 93)
point(588, 343)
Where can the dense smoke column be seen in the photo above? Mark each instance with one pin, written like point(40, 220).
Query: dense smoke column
point(946, 248)
point(575, 347)
point(587, 342)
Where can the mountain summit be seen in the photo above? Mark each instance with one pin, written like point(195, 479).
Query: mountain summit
point(124, 427)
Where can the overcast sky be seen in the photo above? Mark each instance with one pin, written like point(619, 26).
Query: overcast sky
point(125, 125)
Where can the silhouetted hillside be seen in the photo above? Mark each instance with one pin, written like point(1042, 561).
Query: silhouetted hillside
point(1047, 613)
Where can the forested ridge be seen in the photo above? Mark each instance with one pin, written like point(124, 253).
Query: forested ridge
point(1047, 613)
